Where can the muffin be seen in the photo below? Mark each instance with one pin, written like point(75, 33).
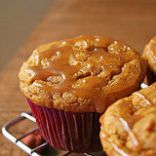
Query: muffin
point(128, 127)
point(69, 83)
point(149, 55)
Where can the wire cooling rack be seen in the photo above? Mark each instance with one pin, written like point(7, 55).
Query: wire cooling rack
point(18, 141)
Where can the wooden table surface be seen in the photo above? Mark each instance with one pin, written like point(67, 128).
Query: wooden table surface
point(133, 22)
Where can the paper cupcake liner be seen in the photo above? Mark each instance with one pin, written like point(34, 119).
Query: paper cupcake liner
point(75, 132)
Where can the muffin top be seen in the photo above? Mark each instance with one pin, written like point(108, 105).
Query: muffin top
point(82, 74)
point(149, 54)
point(128, 127)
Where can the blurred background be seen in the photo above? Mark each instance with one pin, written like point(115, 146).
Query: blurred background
point(24, 25)
point(17, 20)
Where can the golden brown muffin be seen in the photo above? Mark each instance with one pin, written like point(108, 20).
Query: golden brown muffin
point(83, 74)
point(128, 127)
point(149, 55)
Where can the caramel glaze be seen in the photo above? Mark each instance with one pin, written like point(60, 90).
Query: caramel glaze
point(134, 115)
point(88, 67)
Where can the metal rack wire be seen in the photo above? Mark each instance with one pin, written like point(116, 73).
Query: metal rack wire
point(19, 143)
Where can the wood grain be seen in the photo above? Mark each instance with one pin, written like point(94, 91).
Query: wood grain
point(133, 22)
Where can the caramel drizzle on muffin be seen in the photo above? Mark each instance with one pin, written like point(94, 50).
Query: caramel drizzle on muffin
point(93, 68)
point(129, 125)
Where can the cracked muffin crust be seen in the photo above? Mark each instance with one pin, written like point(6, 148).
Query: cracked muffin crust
point(128, 127)
point(82, 74)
